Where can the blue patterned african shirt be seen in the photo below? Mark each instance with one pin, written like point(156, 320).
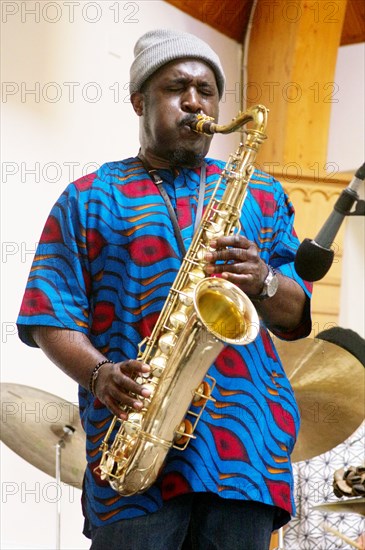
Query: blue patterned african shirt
point(104, 266)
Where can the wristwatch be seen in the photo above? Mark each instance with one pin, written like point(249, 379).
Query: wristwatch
point(271, 284)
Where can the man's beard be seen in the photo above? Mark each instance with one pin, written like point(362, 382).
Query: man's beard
point(184, 158)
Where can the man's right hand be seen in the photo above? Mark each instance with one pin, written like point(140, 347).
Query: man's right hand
point(73, 352)
point(115, 383)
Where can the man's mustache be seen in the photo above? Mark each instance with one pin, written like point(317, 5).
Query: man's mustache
point(187, 120)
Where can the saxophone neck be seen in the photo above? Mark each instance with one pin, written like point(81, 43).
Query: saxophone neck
point(257, 115)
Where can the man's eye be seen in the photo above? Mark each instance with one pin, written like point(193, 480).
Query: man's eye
point(206, 92)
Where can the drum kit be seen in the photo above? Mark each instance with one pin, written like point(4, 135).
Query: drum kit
point(329, 386)
point(327, 380)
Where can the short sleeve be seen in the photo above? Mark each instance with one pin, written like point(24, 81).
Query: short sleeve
point(278, 241)
point(283, 254)
point(56, 293)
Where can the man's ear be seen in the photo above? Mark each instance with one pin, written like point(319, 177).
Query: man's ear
point(137, 101)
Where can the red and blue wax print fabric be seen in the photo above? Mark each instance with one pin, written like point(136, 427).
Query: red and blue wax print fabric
point(105, 263)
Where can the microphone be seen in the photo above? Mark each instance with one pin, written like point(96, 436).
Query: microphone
point(314, 257)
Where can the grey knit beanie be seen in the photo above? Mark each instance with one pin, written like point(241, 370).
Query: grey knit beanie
point(158, 47)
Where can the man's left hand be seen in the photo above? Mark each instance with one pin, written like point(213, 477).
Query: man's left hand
point(242, 263)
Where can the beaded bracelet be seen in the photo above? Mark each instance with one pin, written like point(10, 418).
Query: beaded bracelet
point(95, 374)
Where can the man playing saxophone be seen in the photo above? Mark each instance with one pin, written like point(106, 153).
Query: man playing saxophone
point(108, 255)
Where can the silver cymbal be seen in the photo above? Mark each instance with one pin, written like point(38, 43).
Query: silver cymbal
point(34, 421)
point(351, 505)
point(329, 385)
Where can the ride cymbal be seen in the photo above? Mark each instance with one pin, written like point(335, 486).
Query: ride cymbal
point(329, 385)
point(34, 421)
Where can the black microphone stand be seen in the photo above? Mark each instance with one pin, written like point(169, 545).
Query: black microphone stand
point(318, 251)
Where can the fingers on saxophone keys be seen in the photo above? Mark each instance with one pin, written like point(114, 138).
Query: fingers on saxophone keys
point(131, 401)
point(231, 258)
point(138, 389)
point(134, 375)
point(132, 366)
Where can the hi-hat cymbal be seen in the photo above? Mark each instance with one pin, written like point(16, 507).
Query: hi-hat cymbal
point(34, 421)
point(351, 505)
point(329, 385)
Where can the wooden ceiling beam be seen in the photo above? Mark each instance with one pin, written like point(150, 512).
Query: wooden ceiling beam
point(230, 17)
point(353, 31)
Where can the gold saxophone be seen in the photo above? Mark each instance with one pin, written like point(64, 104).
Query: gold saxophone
point(201, 315)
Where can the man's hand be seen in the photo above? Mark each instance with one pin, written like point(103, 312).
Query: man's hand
point(116, 382)
point(73, 352)
point(244, 268)
point(243, 265)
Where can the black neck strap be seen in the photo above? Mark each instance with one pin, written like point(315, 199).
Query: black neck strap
point(157, 180)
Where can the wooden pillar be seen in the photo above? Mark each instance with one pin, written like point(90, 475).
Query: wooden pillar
point(290, 68)
point(291, 65)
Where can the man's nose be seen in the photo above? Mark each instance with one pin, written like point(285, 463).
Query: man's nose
point(191, 101)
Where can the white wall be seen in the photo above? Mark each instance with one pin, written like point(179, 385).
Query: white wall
point(77, 62)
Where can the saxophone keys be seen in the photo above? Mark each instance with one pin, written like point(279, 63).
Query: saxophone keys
point(202, 394)
point(196, 275)
point(184, 434)
point(167, 342)
point(213, 231)
point(157, 364)
point(200, 254)
point(186, 296)
point(146, 400)
point(133, 425)
point(178, 319)
point(110, 465)
point(224, 214)
point(151, 387)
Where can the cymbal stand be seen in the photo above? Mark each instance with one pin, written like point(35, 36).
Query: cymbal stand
point(67, 433)
point(280, 539)
point(349, 541)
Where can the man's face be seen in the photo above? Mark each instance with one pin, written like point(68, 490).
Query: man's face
point(175, 92)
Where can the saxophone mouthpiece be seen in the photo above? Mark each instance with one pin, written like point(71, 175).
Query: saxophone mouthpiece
point(202, 124)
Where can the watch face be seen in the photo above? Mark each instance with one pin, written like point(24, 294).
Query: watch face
point(272, 285)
